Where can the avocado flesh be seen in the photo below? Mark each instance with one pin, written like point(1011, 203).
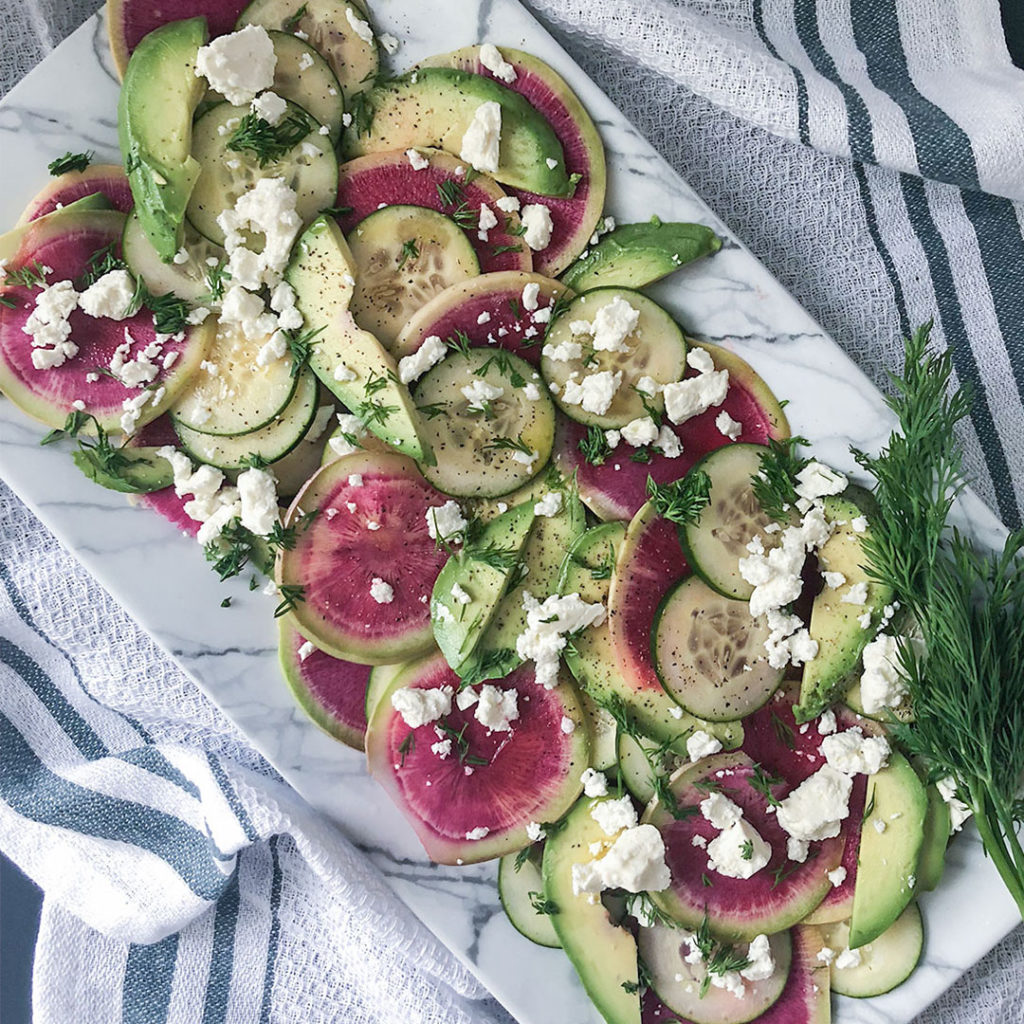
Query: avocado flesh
point(322, 272)
point(603, 954)
point(932, 862)
point(459, 632)
point(887, 861)
point(433, 107)
point(144, 472)
point(635, 255)
point(154, 125)
point(835, 624)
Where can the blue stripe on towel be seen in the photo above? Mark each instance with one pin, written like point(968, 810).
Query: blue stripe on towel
point(232, 798)
point(148, 976)
point(275, 931)
point(222, 956)
point(37, 793)
point(801, 85)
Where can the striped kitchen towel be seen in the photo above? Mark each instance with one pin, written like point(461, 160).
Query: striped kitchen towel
point(890, 191)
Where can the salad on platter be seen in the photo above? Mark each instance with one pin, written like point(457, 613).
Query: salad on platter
point(558, 567)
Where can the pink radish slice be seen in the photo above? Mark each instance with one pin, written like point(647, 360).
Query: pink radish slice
point(66, 244)
point(370, 525)
point(128, 21)
point(482, 309)
point(108, 179)
point(776, 897)
point(389, 179)
point(331, 691)
point(574, 219)
point(164, 502)
point(617, 488)
point(531, 772)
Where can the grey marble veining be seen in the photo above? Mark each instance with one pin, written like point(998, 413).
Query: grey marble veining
point(69, 102)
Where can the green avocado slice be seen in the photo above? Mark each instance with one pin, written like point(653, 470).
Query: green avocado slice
point(154, 125)
point(435, 107)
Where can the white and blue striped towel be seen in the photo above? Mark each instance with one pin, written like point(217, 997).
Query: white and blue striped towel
point(871, 152)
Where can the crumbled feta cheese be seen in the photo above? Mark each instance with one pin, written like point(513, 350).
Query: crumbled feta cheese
point(548, 506)
point(486, 221)
point(496, 709)
point(668, 443)
point(48, 325)
point(568, 725)
point(614, 322)
point(797, 849)
point(563, 352)
point(442, 748)
point(699, 841)
point(837, 877)
point(816, 480)
point(827, 723)
point(848, 958)
point(635, 862)
point(612, 438)
point(534, 832)
point(594, 393)
point(762, 964)
point(833, 580)
point(853, 753)
point(818, 806)
point(728, 851)
point(548, 624)
point(727, 426)
point(389, 42)
point(883, 683)
point(111, 296)
point(859, 524)
point(269, 106)
point(446, 521)
point(880, 826)
point(381, 592)
point(306, 650)
point(417, 161)
point(825, 955)
point(595, 783)
point(421, 706)
point(480, 143)
point(479, 392)
point(959, 812)
point(856, 593)
point(257, 491)
point(483, 318)
point(531, 292)
point(699, 359)
point(429, 354)
point(640, 431)
point(508, 204)
point(491, 58)
point(466, 698)
point(481, 831)
point(536, 219)
point(531, 391)
point(459, 596)
point(687, 398)
point(700, 744)
point(361, 29)
point(238, 65)
point(268, 208)
point(720, 811)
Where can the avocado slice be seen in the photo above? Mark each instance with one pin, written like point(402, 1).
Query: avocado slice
point(635, 255)
point(604, 954)
point(143, 472)
point(435, 106)
point(887, 861)
point(937, 826)
point(835, 624)
point(154, 126)
point(459, 628)
point(322, 272)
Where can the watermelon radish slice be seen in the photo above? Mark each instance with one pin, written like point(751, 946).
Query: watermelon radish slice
point(574, 218)
point(389, 179)
point(776, 897)
point(370, 526)
point(104, 179)
point(128, 21)
point(331, 691)
point(165, 503)
point(531, 772)
point(494, 299)
point(65, 243)
point(617, 488)
point(804, 1000)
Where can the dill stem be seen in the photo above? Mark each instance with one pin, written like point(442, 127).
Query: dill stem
point(996, 846)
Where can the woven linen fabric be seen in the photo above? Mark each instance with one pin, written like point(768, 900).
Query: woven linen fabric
point(868, 151)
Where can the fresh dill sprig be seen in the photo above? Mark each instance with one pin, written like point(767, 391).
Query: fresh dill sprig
point(968, 690)
point(291, 595)
point(361, 108)
point(604, 569)
point(500, 250)
point(291, 23)
point(541, 904)
point(497, 557)
point(410, 251)
point(761, 782)
point(301, 348)
point(774, 484)
point(216, 277)
point(101, 262)
point(594, 446)
point(504, 365)
point(459, 343)
point(70, 162)
point(643, 455)
point(270, 142)
point(32, 275)
point(681, 501)
point(336, 211)
point(406, 747)
point(170, 313)
point(231, 552)
point(97, 453)
point(433, 409)
point(255, 461)
point(458, 737)
point(450, 192)
point(508, 444)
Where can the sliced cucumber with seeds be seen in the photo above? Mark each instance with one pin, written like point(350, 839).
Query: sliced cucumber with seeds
point(310, 168)
point(518, 889)
point(313, 86)
point(885, 962)
point(639, 770)
point(485, 447)
point(188, 280)
point(709, 653)
point(325, 22)
point(405, 255)
point(716, 542)
point(269, 443)
point(231, 394)
point(655, 348)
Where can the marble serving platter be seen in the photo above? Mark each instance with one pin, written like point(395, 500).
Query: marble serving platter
point(69, 102)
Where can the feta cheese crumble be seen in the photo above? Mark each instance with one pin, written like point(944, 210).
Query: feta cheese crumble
point(818, 806)
point(635, 862)
point(727, 426)
point(536, 219)
point(417, 161)
point(692, 396)
point(269, 106)
point(883, 683)
point(700, 744)
point(594, 393)
point(491, 58)
point(446, 521)
point(479, 392)
point(640, 432)
point(257, 491)
point(496, 709)
point(238, 65)
point(110, 296)
point(381, 592)
point(428, 355)
point(548, 506)
point(738, 851)
point(853, 753)
point(421, 706)
point(595, 783)
point(480, 143)
point(548, 625)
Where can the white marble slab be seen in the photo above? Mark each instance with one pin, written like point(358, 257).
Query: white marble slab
point(69, 102)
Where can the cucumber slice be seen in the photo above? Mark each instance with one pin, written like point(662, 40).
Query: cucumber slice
point(310, 168)
point(636, 768)
point(405, 255)
point(306, 457)
point(604, 753)
point(716, 542)
point(709, 653)
point(312, 86)
point(656, 348)
point(233, 395)
point(187, 280)
point(885, 962)
point(678, 983)
point(635, 255)
point(481, 447)
point(270, 443)
point(517, 889)
point(325, 22)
